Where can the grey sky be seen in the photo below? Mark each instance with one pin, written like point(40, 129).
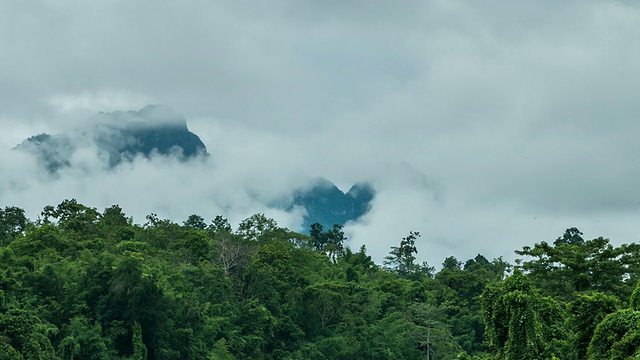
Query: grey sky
point(485, 125)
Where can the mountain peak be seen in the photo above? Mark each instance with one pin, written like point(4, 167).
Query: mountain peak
point(328, 205)
point(121, 135)
point(362, 190)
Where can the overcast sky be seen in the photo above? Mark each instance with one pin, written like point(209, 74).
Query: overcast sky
point(484, 125)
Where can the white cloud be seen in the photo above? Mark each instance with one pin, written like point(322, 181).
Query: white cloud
point(103, 101)
point(521, 117)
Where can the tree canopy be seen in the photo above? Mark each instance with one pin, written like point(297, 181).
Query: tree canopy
point(83, 284)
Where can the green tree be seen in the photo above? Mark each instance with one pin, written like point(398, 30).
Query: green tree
point(616, 337)
point(12, 222)
point(114, 216)
point(401, 259)
point(571, 236)
point(72, 215)
point(318, 236)
point(520, 324)
point(219, 224)
point(24, 333)
point(433, 332)
point(587, 311)
point(132, 296)
point(573, 266)
point(192, 246)
point(139, 348)
point(326, 304)
point(83, 340)
point(451, 264)
point(196, 222)
point(459, 295)
point(330, 242)
point(256, 226)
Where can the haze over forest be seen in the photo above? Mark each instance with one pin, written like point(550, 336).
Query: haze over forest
point(485, 126)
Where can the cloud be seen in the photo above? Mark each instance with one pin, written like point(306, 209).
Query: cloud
point(521, 119)
point(162, 185)
point(105, 101)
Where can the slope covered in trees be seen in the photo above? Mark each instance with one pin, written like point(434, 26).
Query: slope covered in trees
point(84, 284)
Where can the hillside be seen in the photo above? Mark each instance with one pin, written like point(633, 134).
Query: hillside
point(84, 284)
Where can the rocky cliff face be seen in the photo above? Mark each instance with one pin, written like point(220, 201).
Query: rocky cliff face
point(328, 205)
point(120, 136)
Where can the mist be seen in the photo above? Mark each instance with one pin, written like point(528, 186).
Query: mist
point(484, 126)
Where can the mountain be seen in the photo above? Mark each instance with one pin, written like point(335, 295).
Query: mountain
point(120, 136)
point(328, 205)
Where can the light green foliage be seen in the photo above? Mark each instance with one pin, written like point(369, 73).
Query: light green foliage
point(635, 298)
point(573, 265)
point(139, 348)
point(220, 351)
point(616, 337)
point(520, 323)
point(592, 277)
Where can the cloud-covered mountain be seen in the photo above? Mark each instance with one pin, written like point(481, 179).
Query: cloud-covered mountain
point(328, 205)
point(158, 131)
point(118, 136)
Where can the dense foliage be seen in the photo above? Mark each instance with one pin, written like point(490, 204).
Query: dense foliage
point(84, 284)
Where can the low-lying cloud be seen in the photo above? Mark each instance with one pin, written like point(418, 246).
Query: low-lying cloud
point(486, 126)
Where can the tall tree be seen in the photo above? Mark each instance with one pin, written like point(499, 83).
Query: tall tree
point(195, 221)
point(255, 227)
point(318, 236)
point(401, 259)
point(72, 215)
point(571, 236)
point(617, 336)
point(330, 242)
point(572, 266)
point(587, 311)
point(12, 222)
point(219, 223)
point(520, 324)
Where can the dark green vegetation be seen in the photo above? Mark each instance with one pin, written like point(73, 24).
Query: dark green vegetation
point(84, 284)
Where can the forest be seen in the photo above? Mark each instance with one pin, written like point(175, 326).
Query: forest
point(78, 283)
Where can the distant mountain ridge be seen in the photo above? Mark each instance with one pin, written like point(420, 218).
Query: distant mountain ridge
point(328, 205)
point(120, 136)
point(157, 129)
